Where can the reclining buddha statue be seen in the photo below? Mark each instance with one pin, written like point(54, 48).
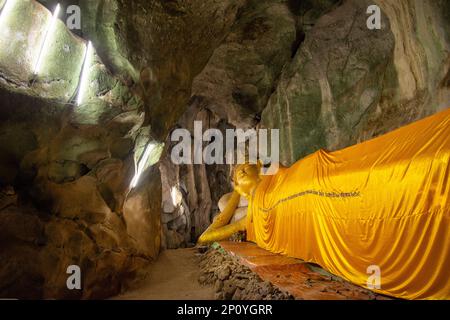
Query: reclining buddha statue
point(383, 203)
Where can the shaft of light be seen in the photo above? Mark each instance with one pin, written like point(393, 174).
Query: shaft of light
point(48, 35)
point(85, 73)
point(142, 163)
point(6, 9)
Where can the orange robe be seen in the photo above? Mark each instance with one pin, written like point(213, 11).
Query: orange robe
point(382, 203)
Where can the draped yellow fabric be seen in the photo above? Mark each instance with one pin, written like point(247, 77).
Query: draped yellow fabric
point(384, 202)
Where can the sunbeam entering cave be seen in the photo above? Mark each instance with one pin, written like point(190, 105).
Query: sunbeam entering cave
point(47, 41)
point(83, 86)
point(136, 160)
point(142, 163)
point(6, 9)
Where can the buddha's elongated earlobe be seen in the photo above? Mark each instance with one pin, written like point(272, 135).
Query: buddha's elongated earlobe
point(259, 165)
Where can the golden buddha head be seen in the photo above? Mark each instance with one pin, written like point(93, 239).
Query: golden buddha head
point(246, 178)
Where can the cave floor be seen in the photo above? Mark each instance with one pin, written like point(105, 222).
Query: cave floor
point(302, 280)
point(173, 276)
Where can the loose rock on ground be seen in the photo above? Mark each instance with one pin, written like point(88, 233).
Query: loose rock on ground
point(234, 281)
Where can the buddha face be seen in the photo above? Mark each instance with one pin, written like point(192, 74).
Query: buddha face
point(246, 178)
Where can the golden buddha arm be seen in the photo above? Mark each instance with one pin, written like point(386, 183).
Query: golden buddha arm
point(222, 233)
point(246, 178)
point(225, 216)
point(220, 229)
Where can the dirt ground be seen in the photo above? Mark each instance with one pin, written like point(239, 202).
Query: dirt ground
point(173, 276)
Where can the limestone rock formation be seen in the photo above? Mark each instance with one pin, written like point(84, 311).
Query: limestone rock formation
point(68, 168)
point(347, 84)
